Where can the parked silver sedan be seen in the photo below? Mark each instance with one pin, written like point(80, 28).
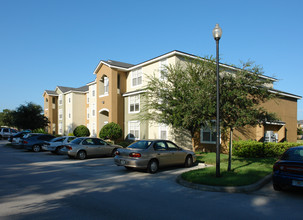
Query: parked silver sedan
point(152, 154)
point(84, 147)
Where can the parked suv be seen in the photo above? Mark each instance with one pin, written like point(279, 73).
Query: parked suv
point(7, 132)
point(34, 141)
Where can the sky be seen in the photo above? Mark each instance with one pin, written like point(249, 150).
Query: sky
point(50, 43)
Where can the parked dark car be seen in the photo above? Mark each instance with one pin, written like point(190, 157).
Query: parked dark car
point(34, 141)
point(288, 171)
point(16, 137)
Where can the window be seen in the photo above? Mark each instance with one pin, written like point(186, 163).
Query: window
point(60, 99)
point(46, 100)
point(93, 93)
point(106, 85)
point(163, 131)
point(134, 130)
point(172, 147)
point(162, 69)
point(208, 134)
point(118, 81)
point(60, 114)
point(87, 110)
point(60, 128)
point(93, 112)
point(137, 77)
point(134, 104)
point(160, 146)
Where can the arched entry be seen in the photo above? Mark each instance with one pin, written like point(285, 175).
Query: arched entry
point(103, 117)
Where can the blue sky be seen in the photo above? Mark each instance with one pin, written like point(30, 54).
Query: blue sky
point(46, 43)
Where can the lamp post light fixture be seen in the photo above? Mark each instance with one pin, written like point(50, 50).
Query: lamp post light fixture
point(217, 33)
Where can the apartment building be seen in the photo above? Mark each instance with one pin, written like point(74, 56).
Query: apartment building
point(116, 96)
point(66, 110)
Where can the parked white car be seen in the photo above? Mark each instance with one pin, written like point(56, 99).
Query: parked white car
point(7, 132)
point(56, 144)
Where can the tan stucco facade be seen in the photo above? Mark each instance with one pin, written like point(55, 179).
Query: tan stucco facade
point(110, 105)
point(108, 100)
point(51, 112)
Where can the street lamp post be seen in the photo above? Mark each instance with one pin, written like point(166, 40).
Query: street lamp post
point(217, 33)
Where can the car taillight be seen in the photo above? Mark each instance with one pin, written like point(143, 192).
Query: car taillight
point(25, 142)
point(135, 154)
point(117, 153)
point(69, 147)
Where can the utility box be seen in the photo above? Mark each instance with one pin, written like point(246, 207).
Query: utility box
point(270, 136)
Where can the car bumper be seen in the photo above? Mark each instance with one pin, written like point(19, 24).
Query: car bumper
point(128, 162)
point(287, 181)
point(48, 148)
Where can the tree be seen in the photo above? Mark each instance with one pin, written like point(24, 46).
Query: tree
point(111, 131)
point(81, 131)
point(7, 118)
point(29, 116)
point(186, 97)
point(241, 94)
point(183, 98)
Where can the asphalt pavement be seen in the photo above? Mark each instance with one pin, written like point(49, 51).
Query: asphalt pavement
point(47, 186)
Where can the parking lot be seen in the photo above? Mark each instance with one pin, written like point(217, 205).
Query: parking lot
point(47, 186)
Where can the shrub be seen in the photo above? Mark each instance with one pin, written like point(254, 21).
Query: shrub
point(253, 149)
point(70, 134)
point(111, 131)
point(39, 130)
point(81, 131)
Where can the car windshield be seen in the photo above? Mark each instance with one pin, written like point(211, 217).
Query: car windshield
point(293, 155)
point(140, 145)
point(76, 141)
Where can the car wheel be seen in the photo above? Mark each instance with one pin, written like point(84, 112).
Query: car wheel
point(54, 152)
point(58, 150)
point(153, 166)
point(81, 155)
point(129, 168)
point(36, 148)
point(188, 161)
point(0, 137)
point(114, 152)
point(276, 187)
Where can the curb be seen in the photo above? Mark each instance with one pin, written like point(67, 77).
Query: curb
point(229, 189)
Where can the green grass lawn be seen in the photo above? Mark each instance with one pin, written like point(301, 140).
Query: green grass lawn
point(244, 171)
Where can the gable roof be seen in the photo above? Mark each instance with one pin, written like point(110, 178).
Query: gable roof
point(51, 92)
point(82, 89)
point(113, 64)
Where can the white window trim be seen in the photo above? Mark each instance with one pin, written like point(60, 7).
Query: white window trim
point(129, 98)
point(162, 66)
point(211, 132)
point(60, 99)
point(135, 73)
point(163, 127)
point(106, 81)
point(104, 95)
point(128, 136)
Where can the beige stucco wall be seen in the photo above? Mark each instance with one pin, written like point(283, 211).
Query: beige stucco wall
point(113, 102)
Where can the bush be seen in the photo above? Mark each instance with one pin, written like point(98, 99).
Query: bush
point(111, 131)
point(81, 131)
point(253, 149)
point(39, 130)
point(125, 143)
